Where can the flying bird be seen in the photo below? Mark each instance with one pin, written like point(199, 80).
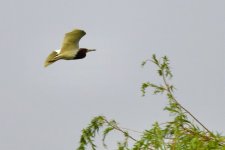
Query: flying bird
point(70, 48)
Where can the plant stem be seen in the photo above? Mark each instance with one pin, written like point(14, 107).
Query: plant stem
point(117, 128)
point(188, 112)
point(125, 133)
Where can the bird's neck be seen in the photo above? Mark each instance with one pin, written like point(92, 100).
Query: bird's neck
point(81, 53)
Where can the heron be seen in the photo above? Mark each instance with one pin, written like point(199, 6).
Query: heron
point(70, 48)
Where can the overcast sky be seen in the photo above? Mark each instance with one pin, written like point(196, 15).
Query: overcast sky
point(46, 108)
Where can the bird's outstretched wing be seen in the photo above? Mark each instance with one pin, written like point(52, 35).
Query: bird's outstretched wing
point(71, 40)
point(50, 58)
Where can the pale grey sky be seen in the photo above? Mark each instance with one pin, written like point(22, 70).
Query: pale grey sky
point(46, 108)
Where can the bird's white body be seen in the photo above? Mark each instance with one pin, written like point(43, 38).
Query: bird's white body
point(57, 51)
point(68, 55)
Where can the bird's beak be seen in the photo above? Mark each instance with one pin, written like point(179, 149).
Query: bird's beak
point(89, 50)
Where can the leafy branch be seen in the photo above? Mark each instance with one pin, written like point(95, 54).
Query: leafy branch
point(177, 134)
point(88, 134)
point(165, 73)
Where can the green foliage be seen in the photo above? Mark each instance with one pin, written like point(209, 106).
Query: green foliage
point(89, 133)
point(180, 133)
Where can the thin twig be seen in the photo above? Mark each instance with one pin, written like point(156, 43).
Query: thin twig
point(170, 92)
point(119, 129)
point(131, 130)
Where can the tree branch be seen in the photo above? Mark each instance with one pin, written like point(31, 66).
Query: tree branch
point(188, 112)
point(119, 129)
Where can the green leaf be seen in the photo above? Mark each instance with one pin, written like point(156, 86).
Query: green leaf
point(160, 72)
point(143, 63)
point(155, 60)
point(105, 133)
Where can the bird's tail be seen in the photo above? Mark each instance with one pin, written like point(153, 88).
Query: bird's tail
point(51, 59)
